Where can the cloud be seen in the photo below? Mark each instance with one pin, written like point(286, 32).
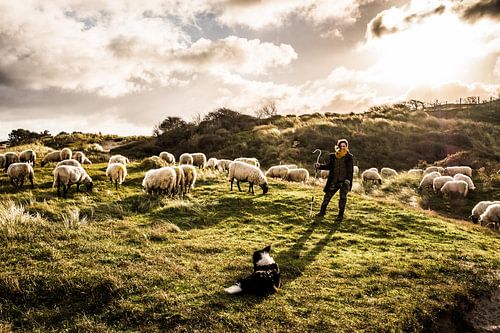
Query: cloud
point(453, 91)
point(473, 11)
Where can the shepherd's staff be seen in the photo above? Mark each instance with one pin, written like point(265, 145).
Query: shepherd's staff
point(315, 180)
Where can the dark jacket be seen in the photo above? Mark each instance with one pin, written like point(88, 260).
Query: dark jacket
point(344, 171)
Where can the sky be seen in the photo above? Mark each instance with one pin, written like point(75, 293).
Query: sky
point(121, 67)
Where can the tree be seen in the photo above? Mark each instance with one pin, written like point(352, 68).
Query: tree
point(267, 111)
point(168, 124)
point(20, 136)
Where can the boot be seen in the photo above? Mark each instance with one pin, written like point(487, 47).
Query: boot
point(340, 216)
point(322, 211)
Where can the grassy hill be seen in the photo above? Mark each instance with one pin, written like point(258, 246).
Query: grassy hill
point(123, 261)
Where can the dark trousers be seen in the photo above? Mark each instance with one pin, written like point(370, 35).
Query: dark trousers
point(330, 192)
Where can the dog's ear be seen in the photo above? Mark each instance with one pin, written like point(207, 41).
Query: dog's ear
point(267, 249)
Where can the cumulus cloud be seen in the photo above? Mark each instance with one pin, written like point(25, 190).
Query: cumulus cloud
point(453, 91)
point(475, 10)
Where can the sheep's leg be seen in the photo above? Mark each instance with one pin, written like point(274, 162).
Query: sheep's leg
point(77, 187)
point(58, 187)
point(116, 185)
point(238, 183)
point(232, 179)
point(21, 182)
point(13, 183)
point(65, 190)
point(31, 181)
point(250, 187)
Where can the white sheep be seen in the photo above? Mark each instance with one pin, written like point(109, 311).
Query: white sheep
point(116, 173)
point(249, 160)
point(371, 175)
point(212, 163)
point(300, 175)
point(324, 173)
point(415, 172)
point(53, 156)
point(277, 171)
point(66, 175)
point(167, 157)
point(479, 209)
point(491, 215)
point(455, 189)
point(199, 160)
point(70, 162)
point(438, 182)
point(66, 154)
point(433, 169)
point(17, 172)
point(186, 158)
point(28, 156)
point(427, 180)
point(466, 179)
point(119, 159)
point(189, 177)
point(160, 180)
point(388, 172)
point(453, 170)
point(180, 180)
point(223, 165)
point(244, 172)
point(290, 166)
point(373, 169)
point(2, 161)
point(80, 157)
point(10, 157)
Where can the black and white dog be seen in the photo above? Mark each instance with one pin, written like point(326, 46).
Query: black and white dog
point(265, 278)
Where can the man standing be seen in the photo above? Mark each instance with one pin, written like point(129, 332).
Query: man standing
point(341, 166)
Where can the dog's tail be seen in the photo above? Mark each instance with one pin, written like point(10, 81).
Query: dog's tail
point(235, 289)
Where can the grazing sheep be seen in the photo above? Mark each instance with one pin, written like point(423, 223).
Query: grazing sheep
point(491, 216)
point(199, 160)
point(416, 172)
point(70, 162)
point(290, 166)
point(427, 180)
point(298, 175)
point(371, 175)
point(167, 157)
point(66, 175)
point(466, 179)
point(480, 208)
point(116, 173)
point(118, 159)
point(388, 172)
point(186, 158)
point(438, 182)
point(10, 157)
point(212, 163)
point(28, 156)
point(179, 182)
point(2, 161)
point(452, 171)
point(324, 173)
point(455, 189)
point(80, 157)
point(66, 154)
point(373, 169)
point(249, 160)
point(433, 169)
point(17, 172)
point(161, 181)
point(277, 171)
point(244, 172)
point(53, 156)
point(189, 177)
point(223, 165)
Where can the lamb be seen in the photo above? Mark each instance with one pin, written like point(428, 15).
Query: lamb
point(66, 154)
point(223, 165)
point(466, 179)
point(455, 189)
point(249, 160)
point(66, 175)
point(53, 156)
point(161, 180)
point(371, 175)
point(119, 159)
point(388, 172)
point(186, 158)
point(298, 175)
point(438, 182)
point(415, 172)
point(427, 180)
point(116, 173)
point(491, 215)
point(434, 169)
point(244, 172)
point(70, 162)
point(180, 180)
point(10, 157)
point(212, 163)
point(17, 172)
point(189, 177)
point(199, 160)
point(28, 156)
point(167, 157)
point(452, 171)
point(480, 208)
point(277, 171)
point(80, 157)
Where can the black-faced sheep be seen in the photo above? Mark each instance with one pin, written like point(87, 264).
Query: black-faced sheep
point(388, 172)
point(10, 157)
point(80, 157)
point(277, 171)
point(28, 156)
point(491, 216)
point(371, 175)
point(480, 208)
point(244, 172)
point(66, 175)
point(455, 189)
point(53, 156)
point(300, 175)
point(466, 179)
point(18, 172)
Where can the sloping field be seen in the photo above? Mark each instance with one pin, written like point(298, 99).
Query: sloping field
point(115, 261)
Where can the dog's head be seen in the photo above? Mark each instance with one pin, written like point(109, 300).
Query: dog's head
point(262, 257)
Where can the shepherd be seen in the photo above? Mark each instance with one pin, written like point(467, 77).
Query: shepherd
point(341, 166)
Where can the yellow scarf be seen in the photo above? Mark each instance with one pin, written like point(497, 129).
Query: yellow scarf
point(341, 153)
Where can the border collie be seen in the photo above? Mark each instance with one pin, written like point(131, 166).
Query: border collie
point(265, 278)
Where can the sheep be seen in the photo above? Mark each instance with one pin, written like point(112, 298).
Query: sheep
point(324, 173)
point(2, 161)
point(223, 165)
point(355, 171)
point(455, 189)
point(167, 157)
point(438, 182)
point(373, 169)
point(53, 156)
point(388, 172)
point(433, 169)
point(371, 175)
point(17, 172)
point(277, 171)
point(10, 157)
point(28, 156)
point(244, 172)
point(160, 180)
point(70, 162)
point(66, 175)
point(116, 173)
point(491, 215)
point(189, 177)
point(212, 163)
point(249, 160)
point(290, 166)
point(180, 180)
point(199, 160)
point(466, 170)
point(119, 159)
point(66, 154)
point(466, 179)
point(415, 172)
point(479, 209)
point(427, 180)
point(186, 158)
point(80, 157)
point(298, 175)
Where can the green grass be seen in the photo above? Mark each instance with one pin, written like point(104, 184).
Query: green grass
point(111, 260)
